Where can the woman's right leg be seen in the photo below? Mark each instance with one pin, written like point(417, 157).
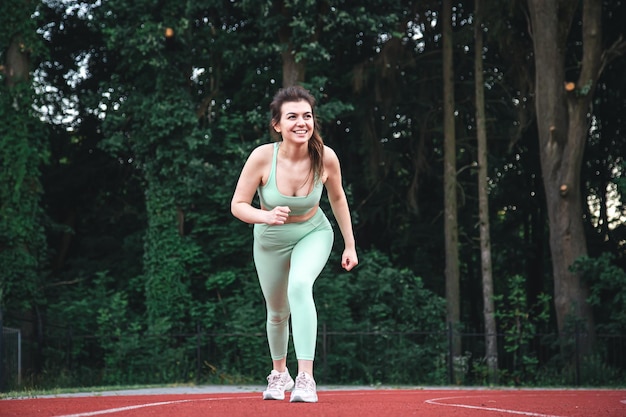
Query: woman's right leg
point(272, 265)
point(271, 257)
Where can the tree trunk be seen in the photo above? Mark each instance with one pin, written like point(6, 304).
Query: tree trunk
point(450, 184)
point(17, 63)
point(293, 72)
point(491, 334)
point(563, 122)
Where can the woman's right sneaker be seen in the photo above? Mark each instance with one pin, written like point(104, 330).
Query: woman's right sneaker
point(305, 390)
point(277, 384)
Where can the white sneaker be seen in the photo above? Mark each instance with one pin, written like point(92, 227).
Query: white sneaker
point(305, 390)
point(277, 384)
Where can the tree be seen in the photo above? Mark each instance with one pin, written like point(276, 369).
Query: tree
point(563, 105)
point(450, 183)
point(491, 332)
point(156, 125)
point(23, 151)
point(293, 68)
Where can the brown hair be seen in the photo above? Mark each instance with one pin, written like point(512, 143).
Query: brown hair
point(316, 143)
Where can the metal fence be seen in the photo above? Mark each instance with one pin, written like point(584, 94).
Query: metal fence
point(11, 355)
point(368, 357)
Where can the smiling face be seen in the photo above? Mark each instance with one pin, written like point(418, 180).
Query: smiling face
point(296, 121)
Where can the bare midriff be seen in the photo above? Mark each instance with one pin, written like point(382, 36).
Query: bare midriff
point(303, 217)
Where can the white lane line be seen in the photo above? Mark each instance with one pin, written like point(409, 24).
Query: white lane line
point(435, 401)
point(134, 407)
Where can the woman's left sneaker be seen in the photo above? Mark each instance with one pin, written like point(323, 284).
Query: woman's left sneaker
point(305, 390)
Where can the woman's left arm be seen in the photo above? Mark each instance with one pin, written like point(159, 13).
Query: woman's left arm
point(339, 205)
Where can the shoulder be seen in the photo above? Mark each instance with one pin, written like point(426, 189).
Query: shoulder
point(265, 149)
point(262, 153)
point(330, 157)
point(332, 169)
point(329, 153)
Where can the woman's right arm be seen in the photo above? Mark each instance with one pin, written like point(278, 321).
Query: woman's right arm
point(249, 180)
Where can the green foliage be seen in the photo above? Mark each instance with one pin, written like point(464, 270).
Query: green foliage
point(158, 127)
point(23, 151)
point(520, 323)
point(380, 301)
point(165, 259)
point(596, 372)
point(16, 19)
point(607, 284)
point(620, 182)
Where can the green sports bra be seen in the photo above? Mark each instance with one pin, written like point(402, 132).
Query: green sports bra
point(270, 196)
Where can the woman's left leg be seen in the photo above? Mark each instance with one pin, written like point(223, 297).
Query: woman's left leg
point(308, 259)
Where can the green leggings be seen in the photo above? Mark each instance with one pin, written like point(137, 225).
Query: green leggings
point(288, 260)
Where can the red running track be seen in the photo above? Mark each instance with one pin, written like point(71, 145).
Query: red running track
point(337, 403)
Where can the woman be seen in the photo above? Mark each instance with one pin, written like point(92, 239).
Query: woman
point(292, 236)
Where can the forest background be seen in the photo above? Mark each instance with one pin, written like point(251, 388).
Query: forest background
point(125, 124)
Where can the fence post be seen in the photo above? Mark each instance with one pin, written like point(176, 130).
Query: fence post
point(19, 358)
point(70, 347)
point(198, 351)
point(577, 353)
point(1, 352)
point(324, 347)
point(450, 354)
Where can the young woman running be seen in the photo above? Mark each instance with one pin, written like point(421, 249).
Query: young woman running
point(292, 236)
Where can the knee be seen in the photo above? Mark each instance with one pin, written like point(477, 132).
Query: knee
point(299, 292)
point(278, 318)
